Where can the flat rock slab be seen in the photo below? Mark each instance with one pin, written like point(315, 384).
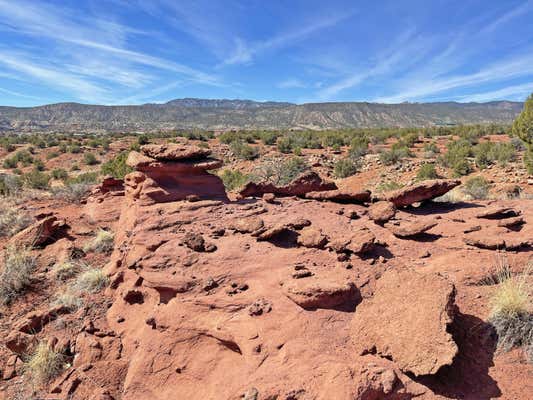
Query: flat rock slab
point(320, 291)
point(496, 238)
point(498, 213)
point(406, 320)
point(360, 242)
point(426, 190)
point(307, 182)
point(174, 152)
point(312, 237)
point(39, 233)
point(341, 196)
point(410, 229)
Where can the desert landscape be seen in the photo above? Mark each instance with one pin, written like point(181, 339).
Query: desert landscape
point(266, 200)
point(372, 263)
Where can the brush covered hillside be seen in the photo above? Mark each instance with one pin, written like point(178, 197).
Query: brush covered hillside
point(246, 114)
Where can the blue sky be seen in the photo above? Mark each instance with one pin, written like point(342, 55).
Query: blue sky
point(131, 52)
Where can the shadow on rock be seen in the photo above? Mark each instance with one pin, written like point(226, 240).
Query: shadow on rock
point(468, 376)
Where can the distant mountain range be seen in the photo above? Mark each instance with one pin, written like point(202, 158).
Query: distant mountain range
point(248, 114)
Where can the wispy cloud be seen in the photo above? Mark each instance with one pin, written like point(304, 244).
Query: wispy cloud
point(514, 92)
point(519, 66)
point(505, 18)
point(18, 94)
point(83, 89)
point(105, 36)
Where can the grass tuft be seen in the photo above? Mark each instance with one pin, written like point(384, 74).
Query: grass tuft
point(92, 281)
point(69, 300)
point(101, 243)
point(511, 310)
point(12, 220)
point(66, 270)
point(15, 276)
point(44, 364)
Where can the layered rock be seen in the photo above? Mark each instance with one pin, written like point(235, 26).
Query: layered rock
point(341, 196)
point(173, 172)
point(422, 191)
point(307, 182)
point(391, 323)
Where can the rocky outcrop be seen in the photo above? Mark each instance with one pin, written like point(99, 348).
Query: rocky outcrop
point(307, 182)
point(391, 324)
point(422, 191)
point(341, 196)
point(40, 233)
point(172, 172)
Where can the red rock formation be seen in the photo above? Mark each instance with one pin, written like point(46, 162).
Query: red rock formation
point(425, 190)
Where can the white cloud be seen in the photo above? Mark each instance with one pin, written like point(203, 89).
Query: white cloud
point(515, 92)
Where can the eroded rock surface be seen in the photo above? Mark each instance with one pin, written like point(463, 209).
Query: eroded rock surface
point(426, 190)
point(391, 323)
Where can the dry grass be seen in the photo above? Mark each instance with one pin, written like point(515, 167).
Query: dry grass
point(15, 276)
point(68, 299)
point(66, 270)
point(512, 310)
point(92, 281)
point(101, 243)
point(12, 220)
point(44, 364)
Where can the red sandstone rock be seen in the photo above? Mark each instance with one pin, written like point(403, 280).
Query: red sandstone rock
point(174, 151)
point(341, 196)
point(312, 237)
point(391, 322)
point(39, 233)
point(425, 190)
point(408, 229)
point(381, 211)
point(307, 182)
point(498, 212)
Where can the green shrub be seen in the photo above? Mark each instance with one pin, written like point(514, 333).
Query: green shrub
point(427, 171)
point(233, 180)
point(477, 188)
point(269, 138)
point(359, 146)
point(90, 159)
point(394, 155)
point(461, 167)
point(59, 173)
point(36, 179)
point(143, 139)
point(10, 163)
point(388, 186)
point(523, 128)
point(430, 150)
point(243, 151)
point(279, 171)
point(284, 145)
point(346, 167)
point(117, 167)
point(85, 178)
point(74, 149)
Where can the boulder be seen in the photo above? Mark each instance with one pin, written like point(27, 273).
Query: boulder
point(247, 225)
point(426, 190)
point(497, 212)
point(40, 233)
point(312, 237)
point(320, 292)
point(307, 182)
point(408, 229)
point(360, 242)
point(407, 321)
point(341, 196)
point(381, 211)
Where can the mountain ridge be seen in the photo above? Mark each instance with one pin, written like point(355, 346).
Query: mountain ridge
point(189, 113)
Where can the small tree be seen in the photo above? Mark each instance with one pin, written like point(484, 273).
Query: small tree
point(523, 128)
